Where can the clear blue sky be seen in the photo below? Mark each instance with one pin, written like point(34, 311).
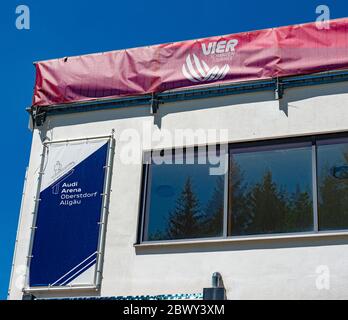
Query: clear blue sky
point(62, 28)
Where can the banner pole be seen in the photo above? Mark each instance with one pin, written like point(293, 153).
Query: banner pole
point(105, 211)
point(34, 213)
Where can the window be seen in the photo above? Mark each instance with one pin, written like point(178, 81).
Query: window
point(184, 199)
point(333, 184)
point(270, 190)
point(270, 187)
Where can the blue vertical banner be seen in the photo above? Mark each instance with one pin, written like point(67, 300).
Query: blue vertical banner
point(66, 236)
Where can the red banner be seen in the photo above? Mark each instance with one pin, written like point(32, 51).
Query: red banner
point(263, 54)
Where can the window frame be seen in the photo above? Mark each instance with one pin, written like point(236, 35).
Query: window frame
point(312, 141)
point(146, 183)
point(268, 146)
point(325, 140)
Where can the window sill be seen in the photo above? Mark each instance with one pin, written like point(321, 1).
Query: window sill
point(243, 239)
point(56, 288)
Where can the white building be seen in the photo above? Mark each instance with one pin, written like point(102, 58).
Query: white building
point(103, 202)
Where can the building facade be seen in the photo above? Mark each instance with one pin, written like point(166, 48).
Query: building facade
point(149, 196)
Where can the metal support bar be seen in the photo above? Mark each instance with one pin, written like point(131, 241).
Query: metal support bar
point(65, 288)
point(38, 115)
point(279, 89)
point(14, 258)
point(154, 103)
point(78, 139)
point(278, 85)
point(36, 207)
point(105, 210)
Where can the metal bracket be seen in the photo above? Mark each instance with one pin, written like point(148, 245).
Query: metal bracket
point(217, 291)
point(38, 117)
point(154, 103)
point(28, 296)
point(279, 89)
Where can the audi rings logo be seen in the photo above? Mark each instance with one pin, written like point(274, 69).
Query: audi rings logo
point(197, 70)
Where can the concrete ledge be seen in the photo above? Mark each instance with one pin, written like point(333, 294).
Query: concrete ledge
point(245, 242)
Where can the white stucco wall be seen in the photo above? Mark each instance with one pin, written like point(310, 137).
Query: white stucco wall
point(283, 268)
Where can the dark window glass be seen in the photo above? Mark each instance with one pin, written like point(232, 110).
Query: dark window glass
point(184, 201)
point(332, 164)
point(270, 190)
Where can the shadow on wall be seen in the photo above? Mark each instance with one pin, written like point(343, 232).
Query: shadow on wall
point(290, 96)
point(121, 113)
point(238, 245)
point(303, 93)
point(80, 118)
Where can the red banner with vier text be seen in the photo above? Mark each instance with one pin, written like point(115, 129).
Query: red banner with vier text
point(263, 54)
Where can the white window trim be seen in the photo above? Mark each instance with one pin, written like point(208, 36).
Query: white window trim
point(243, 239)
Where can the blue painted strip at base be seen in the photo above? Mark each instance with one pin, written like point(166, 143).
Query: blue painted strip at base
point(183, 296)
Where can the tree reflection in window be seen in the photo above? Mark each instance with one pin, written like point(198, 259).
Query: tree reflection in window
point(333, 186)
point(193, 209)
point(270, 192)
